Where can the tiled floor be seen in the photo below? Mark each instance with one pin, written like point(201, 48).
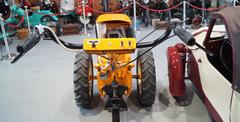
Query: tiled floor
point(39, 88)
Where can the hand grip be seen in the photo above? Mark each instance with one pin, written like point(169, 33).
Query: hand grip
point(185, 36)
point(26, 45)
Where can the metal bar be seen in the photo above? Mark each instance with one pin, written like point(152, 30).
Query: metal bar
point(203, 12)
point(146, 36)
point(184, 14)
point(84, 17)
point(28, 23)
point(234, 2)
point(135, 15)
point(4, 36)
point(135, 76)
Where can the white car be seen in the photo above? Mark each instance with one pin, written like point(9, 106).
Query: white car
point(212, 61)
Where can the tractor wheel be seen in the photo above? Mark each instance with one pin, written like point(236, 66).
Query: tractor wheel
point(146, 84)
point(83, 86)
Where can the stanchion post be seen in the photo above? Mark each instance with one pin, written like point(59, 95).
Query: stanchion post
point(135, 15)
point(84, 17)
point(203, 12)
point(28, 23)
point(184, 14)
point(8, 56)
point(234, 2)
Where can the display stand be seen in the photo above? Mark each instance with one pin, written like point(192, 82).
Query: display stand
point(135, 15)
point(234, 2)
point(28, 23)
point(9, 56)
point(84, 17)
point(203, 12)
point(184, 14)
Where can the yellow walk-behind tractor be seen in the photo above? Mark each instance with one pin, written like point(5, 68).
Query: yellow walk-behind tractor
point(113, 46)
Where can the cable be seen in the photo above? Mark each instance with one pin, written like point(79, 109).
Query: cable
point(141, 54)
point(57, 40)
point(146, 36)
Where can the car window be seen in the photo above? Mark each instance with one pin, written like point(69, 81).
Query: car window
point(220, 45)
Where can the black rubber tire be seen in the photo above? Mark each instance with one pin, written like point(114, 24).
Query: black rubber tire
point(83, 87)
point(146, 87)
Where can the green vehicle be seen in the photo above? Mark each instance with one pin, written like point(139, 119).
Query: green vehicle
point(42, 17)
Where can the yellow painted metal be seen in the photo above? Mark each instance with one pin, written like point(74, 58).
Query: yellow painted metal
point(109, 45)
point(123, 76)
point(113, 17)
point(113, 53)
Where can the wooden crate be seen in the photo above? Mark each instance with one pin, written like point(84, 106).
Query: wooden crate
point(22, 33)
point(69, 29)
point(161, 24)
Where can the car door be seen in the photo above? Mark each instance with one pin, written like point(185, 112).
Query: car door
point(216, 87)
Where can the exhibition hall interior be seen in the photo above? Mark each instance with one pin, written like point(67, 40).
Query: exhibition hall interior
point(119, 60)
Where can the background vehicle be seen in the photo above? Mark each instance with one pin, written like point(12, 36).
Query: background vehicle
point(5, 8)
point(73, 20)
point(50, 5)
point(88, 11)
point(18, 16)
point(214, 70)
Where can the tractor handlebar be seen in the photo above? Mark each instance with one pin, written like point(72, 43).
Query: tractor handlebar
point(29, 43)
point(161, 38)
point(184, 35)
point(188, 38)
point(41, 32)
point(26, 45)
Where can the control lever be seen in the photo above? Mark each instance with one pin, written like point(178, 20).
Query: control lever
point(188, 39)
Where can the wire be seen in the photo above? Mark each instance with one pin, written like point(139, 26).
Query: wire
point(59, 41)
point(146, 36)
point(141, 55)
point(104, 57)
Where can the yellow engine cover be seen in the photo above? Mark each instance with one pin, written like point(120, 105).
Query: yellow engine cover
point(123, 76)
point(109, 45)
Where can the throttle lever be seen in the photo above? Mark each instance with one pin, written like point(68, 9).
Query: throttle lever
point(188, 39)
point(185, 36)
